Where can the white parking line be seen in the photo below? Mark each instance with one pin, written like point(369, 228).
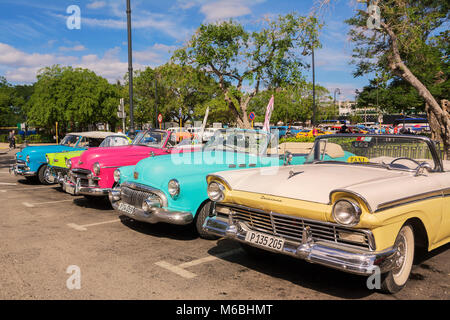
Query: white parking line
point(32, 205)
point(84, 227)
point(180, 269)
point(22, 189)
point(8, 184)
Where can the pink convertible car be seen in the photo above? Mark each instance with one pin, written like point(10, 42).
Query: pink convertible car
point(92, 174)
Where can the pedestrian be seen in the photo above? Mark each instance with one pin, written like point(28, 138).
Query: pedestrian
point(12, 140)
point(344, 129)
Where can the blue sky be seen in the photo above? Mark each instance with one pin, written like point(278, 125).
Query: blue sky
point(34, 34)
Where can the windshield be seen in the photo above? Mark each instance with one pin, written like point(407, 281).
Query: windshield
point(114, 141)
point(70, 140)
point(151, 138)
point(403, 153)
point(235, 140)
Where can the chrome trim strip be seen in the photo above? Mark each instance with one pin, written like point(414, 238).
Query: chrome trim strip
point(368, 233)
point(412, 199)
point(353, 193)
point(332, 255)
point(219, 178)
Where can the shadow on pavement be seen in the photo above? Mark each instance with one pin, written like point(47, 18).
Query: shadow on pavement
point(161, 230)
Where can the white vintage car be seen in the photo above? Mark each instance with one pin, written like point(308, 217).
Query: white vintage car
point(366, 208)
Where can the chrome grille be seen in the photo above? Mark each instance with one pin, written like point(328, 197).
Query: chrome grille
point(291, 228)
point(82, 175)
point(136, 197)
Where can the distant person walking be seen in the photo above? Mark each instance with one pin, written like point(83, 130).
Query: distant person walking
point(12, 140)
point(344, 129)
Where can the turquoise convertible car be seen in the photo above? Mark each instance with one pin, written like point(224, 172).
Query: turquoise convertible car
point(172, 188)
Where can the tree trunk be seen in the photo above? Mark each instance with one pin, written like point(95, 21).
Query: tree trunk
point(441, 114)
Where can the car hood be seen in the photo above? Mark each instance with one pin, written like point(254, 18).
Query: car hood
point(316, 182)
point(43, 150)
point(116, 156)
point(157, 171)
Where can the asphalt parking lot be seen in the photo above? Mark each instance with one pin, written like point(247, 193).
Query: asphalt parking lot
point(43, 231)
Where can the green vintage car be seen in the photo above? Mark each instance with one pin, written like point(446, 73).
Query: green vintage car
point(57, 162)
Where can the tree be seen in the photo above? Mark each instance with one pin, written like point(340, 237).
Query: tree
point(408, 45)
point(13, 102)
point(243, 62)
point(292, 103)
point(75, 97)
point(178, 87)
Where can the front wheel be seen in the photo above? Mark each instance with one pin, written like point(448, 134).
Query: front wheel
point(394, 280)
point(43, 175)
point(200, 219)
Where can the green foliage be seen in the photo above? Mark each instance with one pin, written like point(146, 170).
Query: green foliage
point(72, 96)
point(242, 61)
point(300, 139)
point(13, 102)
point(292, 103)
point(422, 45)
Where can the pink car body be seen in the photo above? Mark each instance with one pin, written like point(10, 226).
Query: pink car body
point(92, 173)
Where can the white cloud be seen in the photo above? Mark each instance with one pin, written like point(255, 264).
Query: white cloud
point(155, 55)
point(219, 10)
point(22, 67)
point(332, 59)
point(96, 5)
point(74, 48)
point(226, 9)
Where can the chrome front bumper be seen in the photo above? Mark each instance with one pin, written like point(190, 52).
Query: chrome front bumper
point(55, 177)
point(22, 170)
point(154, 214)
point(76, 189)
point(344, 258)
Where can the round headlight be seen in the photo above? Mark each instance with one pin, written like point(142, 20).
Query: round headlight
point(28, 158)
point(174, 188)
point(346, 212)
point(215, 191)
point(69, 163)
point(116, 175)
point(96, 168)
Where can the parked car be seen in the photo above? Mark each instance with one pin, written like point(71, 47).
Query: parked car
point(208, 133)
point(32, 163)
point(314, 132)
point(91, 174)
point(365, 214)
point(57, 162)
point(172, 188)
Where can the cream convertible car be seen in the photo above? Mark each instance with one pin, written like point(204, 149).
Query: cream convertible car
point(367, 215)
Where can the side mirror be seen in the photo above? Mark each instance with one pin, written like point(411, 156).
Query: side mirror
point(287, 158)
point(424, 166)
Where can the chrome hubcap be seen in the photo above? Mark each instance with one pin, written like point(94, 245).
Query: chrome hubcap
point(400, 255)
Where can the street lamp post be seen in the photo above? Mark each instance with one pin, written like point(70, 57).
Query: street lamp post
point(130, 69)
point(338, 91)
point(314, 87)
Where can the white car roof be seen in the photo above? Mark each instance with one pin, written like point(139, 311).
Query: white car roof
point(94, 134)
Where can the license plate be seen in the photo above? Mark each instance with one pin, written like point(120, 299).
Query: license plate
point(265, 240)
point(70, 189)
point(126, 208)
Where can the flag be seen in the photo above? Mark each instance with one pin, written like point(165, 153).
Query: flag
point(269, 110)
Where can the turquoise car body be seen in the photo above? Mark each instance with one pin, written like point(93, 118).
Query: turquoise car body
point(31, 159)
point(150, 178)
point(191, 175)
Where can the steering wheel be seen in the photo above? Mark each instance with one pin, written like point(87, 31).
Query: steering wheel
point(405, 158)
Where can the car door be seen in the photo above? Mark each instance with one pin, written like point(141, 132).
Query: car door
point(443, 179)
